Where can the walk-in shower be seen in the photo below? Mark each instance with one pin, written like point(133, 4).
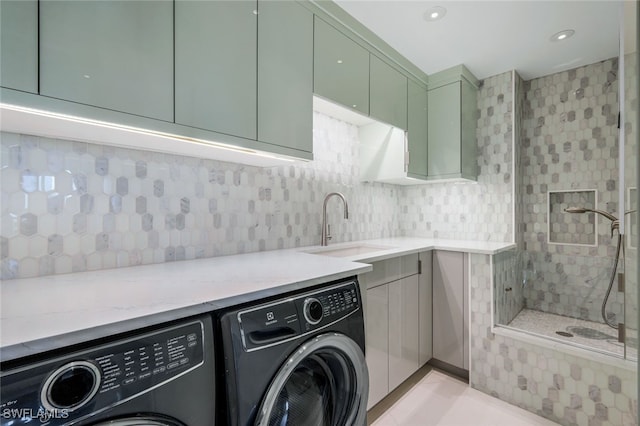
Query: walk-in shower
point(571, 278)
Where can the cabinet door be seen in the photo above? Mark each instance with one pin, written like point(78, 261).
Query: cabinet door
point(285, 75)
point(19, 45)
point(425, 308)
point(387, 94)
point(341, 68)
point(216, 66)
point(444, 130)
point(403, 330)
point(469, 123)
point(377, 343)
point(110, 54)
point(448, 307)
point(417, 130)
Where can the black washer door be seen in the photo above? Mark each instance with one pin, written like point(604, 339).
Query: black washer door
point(324, 383)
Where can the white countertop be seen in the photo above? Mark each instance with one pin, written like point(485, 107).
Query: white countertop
point(40, 314)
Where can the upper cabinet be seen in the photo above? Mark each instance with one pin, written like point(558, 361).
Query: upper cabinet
point(285, 75)
point(19, 45)
point(388, 94)
point(341, 68)
point(116, 55)
point(390, 154)
point(245, 68)
point(452, 146)
point(232, 73)
point(417, 131)
point(216, 66)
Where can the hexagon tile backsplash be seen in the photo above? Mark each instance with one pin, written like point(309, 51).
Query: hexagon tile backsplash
point(71, 206)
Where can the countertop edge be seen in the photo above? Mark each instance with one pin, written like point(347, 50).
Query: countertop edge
point(359, 264)
point(36, 347)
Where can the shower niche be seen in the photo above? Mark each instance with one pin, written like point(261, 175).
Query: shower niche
point(568, 228)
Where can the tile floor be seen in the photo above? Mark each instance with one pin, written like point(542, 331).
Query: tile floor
point(442, 400)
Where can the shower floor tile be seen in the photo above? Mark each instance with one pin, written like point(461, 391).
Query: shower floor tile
point(585, 333)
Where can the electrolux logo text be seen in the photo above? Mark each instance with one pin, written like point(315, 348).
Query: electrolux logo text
point(31, 414)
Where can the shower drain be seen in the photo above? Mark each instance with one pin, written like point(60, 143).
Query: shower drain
point(590, 333)
point(564, 334)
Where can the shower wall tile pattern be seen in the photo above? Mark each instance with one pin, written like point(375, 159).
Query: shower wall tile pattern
point(508, 271)
point(508, 299)
point(519, 131)
point(572, 228)
point(482, 210)
point(70, 206)
point(570, 143)
point(565, 388)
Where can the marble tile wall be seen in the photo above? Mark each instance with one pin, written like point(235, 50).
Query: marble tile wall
point(482, 210)
point(573, 228)
point(566, 388)
point(520, 132)
point(570, 143)
point(70, 206)
point(507, 278)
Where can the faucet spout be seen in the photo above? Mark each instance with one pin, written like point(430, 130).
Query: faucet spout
point(326, 230)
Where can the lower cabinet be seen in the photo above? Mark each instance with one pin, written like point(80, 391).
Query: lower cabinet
point(377, 342)
point(425, 308)
point(403, 330)
point(397, 303)
point(450, 308)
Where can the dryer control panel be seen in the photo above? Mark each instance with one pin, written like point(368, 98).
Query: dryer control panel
point(70, 388)
point(272, 323)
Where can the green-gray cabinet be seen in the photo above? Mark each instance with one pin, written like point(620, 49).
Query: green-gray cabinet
point(450, 308)
point(245, 68)
point(216, 65)
point(19, 45)
point(391, 304)
point(341, 68)
point(387, 93)
point(452, 147)
point(116, 55)
point(417, 133)
point(285, 75)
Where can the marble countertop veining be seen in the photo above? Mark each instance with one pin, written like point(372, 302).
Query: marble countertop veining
point(45, 313)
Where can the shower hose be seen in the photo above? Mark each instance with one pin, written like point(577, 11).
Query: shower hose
point(613, 277)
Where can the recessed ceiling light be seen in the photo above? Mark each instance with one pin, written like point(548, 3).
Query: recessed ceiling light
point(562, 35)
point(435, 13)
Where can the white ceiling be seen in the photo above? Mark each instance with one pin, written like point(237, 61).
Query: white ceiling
point(492, 37)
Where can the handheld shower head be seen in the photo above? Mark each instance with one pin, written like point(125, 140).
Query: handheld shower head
point(585, 210)
point(575, 210)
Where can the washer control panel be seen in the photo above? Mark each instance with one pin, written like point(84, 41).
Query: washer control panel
point(69, 388)
point(271, 323)
point(335, 304)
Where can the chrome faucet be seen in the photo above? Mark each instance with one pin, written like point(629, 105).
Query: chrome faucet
point(326, 229)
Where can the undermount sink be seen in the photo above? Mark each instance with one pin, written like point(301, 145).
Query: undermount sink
point(346, 251)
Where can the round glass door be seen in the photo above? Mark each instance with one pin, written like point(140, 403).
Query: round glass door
point(324, 383)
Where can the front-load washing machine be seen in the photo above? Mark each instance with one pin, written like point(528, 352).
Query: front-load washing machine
point(297, 360)
point(163, 376)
